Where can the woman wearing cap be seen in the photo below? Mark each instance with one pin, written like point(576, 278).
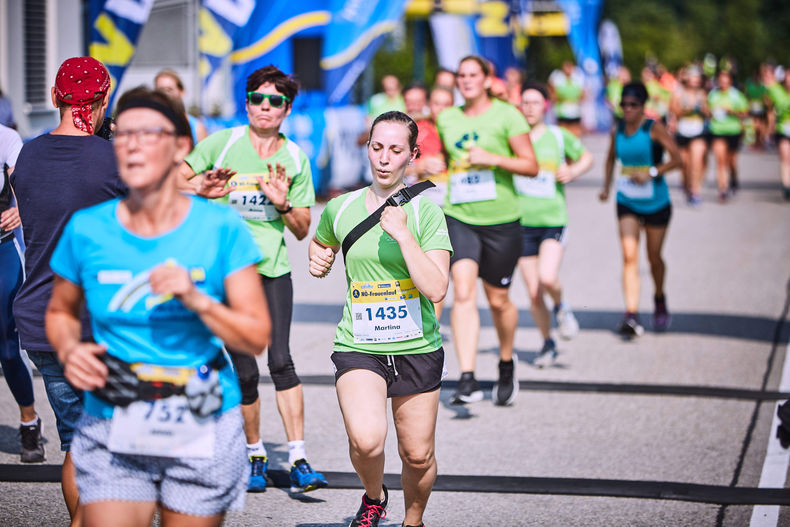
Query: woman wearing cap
point(689, 105)
point(161, 306)
point(642, 201)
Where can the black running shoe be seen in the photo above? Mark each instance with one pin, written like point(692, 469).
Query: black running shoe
point(506, 388)
point(468, 389)
point(32, 445)
point(370, 513)
point(630, 327)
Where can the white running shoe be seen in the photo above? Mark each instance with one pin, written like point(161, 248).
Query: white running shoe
point(567, 325)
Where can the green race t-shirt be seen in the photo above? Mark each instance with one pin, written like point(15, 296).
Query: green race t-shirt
point(569, 91)
point(542, 198)
point(721, 122)
point(480, 195)
point(781, 99)
point(614, 92)
point(380, 103)
point(233, 149)
point(373, 265)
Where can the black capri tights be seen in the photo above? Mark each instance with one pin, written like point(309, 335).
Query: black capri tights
point(279, 297)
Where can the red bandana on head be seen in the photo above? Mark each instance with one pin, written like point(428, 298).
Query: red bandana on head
point(77, 83)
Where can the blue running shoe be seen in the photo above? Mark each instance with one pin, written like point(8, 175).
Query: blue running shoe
point(258, 467)
point(304, 478)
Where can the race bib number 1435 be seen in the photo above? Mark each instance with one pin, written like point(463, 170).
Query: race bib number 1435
point(385, 311)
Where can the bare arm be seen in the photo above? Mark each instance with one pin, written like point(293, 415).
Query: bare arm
point(276, 190)
point(244, 324)
point(567, 173)
point(609, 169)
point(430, 271)
point(201, 132)
point(523, 164)
point(675, 107)
point(81, 366)
point(659, 133)
point(321, 257)
point(185, 174)
point(298, 221)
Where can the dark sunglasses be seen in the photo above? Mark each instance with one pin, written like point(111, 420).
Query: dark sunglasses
point(630, 105)
point(275, 100)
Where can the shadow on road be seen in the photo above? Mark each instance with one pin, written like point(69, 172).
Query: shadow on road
point(9, 440)
point(744, 327)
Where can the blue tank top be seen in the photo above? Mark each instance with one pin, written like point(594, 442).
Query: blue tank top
point(639, 152)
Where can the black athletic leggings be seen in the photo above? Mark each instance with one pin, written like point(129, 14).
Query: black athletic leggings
point(279, 297)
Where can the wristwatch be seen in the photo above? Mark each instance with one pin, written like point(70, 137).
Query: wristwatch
point(287, 209)
point(653, 171)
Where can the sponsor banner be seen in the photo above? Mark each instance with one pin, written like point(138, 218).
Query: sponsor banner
point(355, 33)
point(218, 21)
point(115, 26)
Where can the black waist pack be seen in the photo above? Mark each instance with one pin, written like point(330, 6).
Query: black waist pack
point(127, 383)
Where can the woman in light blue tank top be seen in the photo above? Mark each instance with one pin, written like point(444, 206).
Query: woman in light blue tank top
point(642, 199)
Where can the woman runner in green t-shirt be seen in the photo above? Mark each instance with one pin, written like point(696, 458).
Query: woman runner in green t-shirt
point(388, 344)
point(544, 216)
point(487, 144)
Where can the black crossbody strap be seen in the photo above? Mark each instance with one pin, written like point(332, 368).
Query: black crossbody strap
point(398, 199)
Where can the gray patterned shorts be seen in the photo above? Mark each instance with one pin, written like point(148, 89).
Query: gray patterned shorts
point(192, 486)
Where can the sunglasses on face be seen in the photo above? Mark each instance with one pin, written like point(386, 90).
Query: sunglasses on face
point(275, 100)
point(630, 105)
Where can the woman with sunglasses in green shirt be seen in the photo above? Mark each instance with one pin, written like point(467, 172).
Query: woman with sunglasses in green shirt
point(266, 177)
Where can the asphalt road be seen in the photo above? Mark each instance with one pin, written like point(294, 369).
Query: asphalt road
point(654, 432)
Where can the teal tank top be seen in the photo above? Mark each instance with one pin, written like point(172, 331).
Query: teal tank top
point(639, 152)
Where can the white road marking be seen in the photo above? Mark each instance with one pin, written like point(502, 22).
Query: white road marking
point(776, 461)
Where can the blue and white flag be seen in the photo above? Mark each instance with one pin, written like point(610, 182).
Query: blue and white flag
point(355, 33)
point(495, 28)
point(218, 21)
point(454, 38)
point(611, 48)
point(263, 40)
point(115, 26)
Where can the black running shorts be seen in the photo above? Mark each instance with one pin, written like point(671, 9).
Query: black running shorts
point(733, 141)
point(683, 141)
point(404, 374)
point(495, 248)
point(660, 218)
point(534, 236)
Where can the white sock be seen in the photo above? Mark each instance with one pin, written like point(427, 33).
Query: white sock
point(295, 451)
point(256, 449)
point(29, 423)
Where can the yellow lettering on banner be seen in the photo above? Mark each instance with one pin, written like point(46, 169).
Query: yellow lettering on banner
point(460, 7)
point(118, 51)
point(419, 8)
point(204, 68)
point(554, 24)
point(493, 21)
point(213, 40)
